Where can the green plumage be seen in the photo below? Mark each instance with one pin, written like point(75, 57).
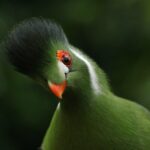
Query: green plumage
point(97, 122)
point(90, 116)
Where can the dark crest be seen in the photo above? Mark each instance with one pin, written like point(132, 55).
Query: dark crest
point(28, 44)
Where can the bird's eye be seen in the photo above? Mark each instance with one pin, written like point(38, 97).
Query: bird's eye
point(65, 57)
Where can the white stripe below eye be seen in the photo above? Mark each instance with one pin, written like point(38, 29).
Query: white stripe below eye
point(92, 73)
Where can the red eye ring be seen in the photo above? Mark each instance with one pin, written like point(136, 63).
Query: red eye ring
point(64, 57)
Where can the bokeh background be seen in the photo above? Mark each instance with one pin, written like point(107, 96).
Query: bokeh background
point(115, 33)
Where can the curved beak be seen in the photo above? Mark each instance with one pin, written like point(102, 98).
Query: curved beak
point(57, 89)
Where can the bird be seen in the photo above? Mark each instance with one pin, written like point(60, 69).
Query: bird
point(89, 116)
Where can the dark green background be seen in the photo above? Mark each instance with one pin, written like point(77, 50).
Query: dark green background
point(115, 33)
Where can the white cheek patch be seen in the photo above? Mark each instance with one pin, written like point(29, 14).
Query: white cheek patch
point(63, 68)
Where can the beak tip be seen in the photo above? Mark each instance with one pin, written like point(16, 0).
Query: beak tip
point(57, 89)
point(60, 97)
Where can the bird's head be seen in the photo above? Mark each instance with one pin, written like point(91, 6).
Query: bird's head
point(39, 49)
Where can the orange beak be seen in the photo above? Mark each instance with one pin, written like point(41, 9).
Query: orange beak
point(58, 89)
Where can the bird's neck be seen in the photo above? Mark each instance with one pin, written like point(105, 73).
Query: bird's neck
point(84, 98)
point(91, 85)
point(81, 109)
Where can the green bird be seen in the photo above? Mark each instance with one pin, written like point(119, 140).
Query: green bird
point(88, 116)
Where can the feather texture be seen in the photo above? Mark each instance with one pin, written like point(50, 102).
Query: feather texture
point(28, 45)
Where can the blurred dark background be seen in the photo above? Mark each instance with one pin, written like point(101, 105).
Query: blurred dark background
point(114, 33)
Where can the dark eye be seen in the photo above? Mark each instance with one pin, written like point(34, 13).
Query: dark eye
point(64, 57)
point(66, 60)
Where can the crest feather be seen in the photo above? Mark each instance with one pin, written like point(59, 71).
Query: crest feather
point(29, 43)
